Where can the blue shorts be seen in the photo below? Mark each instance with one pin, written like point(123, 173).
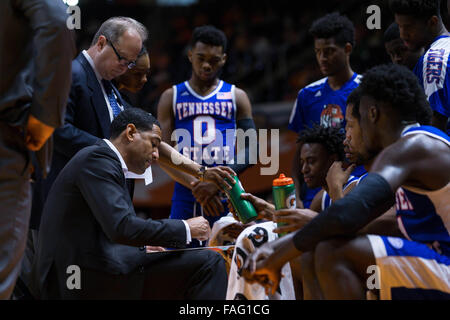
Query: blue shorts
point(410, 270)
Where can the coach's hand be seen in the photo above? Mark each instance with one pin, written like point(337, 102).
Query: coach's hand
point(37, 133)
point(200, 228)
point(217, 175)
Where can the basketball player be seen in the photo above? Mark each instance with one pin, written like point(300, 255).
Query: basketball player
point(397, 50)
point(413, 158)
point(204, 113)
point(421, 25)
point(323, 102)
point(321, 148)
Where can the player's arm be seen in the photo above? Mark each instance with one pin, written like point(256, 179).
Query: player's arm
point(181, 168)
point(316, 203)
point(244, 121)
point(385, 225)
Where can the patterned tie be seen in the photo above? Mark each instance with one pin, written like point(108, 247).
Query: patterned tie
point(111, 97)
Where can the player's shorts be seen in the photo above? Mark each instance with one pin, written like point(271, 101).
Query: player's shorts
point(250, 239)
point(409, 269)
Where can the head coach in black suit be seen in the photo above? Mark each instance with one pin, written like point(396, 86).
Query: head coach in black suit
point(36, 49)
point(89, 221)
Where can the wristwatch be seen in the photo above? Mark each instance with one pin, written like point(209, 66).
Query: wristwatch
point(201, 173)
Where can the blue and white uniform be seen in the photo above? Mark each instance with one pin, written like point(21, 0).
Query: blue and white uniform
point(317, 103)
point(418, 267)
point(205, 129)
point(431, 69)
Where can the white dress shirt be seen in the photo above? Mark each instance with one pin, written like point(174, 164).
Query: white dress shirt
point(131, 175)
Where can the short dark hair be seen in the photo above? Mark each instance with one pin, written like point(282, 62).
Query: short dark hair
point(422, 9)
point(399, 87)
point(391, 33)
point(335, 26)
point(331, 138)
point(142, 120)
point(209, 35)
point(353, 98)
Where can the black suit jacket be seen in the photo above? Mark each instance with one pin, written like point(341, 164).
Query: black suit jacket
point(89, 221)
point(87, 121)
point(35, 64)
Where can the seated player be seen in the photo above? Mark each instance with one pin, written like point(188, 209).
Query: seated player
point(412, 169)
point(320, 149)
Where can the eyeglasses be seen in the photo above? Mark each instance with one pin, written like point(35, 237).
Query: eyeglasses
point(122, 60)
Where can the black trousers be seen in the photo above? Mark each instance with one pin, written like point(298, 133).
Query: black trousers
point(178, 275)
point(15, 205)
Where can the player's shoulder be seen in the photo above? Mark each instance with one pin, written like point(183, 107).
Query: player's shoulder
point(442, 42)
point(316, 85)
point(414, 147)
point(357, 80)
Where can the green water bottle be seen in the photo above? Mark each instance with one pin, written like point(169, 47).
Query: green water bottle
point(244, 209)
point(283, 190)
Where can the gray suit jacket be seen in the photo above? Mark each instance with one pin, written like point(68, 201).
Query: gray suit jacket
point(36, 53)
point(89, 221)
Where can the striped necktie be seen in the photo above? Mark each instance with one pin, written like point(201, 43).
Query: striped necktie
point(111, 97)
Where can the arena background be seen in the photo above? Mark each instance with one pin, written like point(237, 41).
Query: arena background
point(270, 56)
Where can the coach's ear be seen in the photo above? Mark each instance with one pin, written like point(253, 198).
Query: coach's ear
point(189, 54)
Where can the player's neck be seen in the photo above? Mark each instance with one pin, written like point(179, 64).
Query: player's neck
point(201, 87)
point(368, 165)
point(338, 80)
point(441, 31)
point(390, 134)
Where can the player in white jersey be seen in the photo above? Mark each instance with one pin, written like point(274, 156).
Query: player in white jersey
point(417, 159)
point(421, 25)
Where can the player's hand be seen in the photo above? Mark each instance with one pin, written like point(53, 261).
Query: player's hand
point(337, 177)
point(261, 267)
point(199, 227)
point(37, 133)
point(294, 219)
point(217, 175)
point(264, 209)
point(234, 229)
point(206, 194)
